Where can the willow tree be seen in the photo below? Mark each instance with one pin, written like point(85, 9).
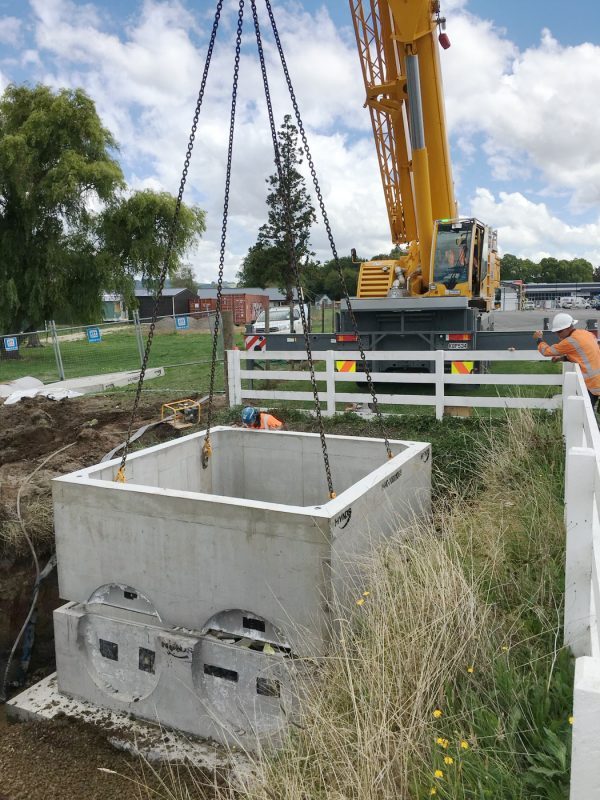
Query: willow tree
point(68, 227)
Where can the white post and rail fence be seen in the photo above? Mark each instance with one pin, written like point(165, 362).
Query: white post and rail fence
point(582, 579)
point(332, 382)
point(582, 488)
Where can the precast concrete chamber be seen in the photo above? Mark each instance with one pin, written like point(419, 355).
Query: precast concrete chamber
point(196, 597)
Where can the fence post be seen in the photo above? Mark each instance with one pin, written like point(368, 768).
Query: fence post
point(235, 380)
point(585, 776)
point(57, 355)
point(138, 335)
point(227, 317)
point(573, 411)
point(439, 364)
point(231, 377)
point(569, 388)
point(330, 372)
point(580, 484)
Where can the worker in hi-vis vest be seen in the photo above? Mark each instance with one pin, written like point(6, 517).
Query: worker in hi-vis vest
point(578, 346)
point(253, 418)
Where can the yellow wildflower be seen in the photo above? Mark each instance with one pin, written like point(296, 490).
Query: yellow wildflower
point(448, 760)
point(571, 720)
point(433, 790)
point(470, 669)
point(438, 774)
point(437, 713)
point(360, 602)
point(366, 594)
point(464, 744)
point(442, 742)
point(504, 648)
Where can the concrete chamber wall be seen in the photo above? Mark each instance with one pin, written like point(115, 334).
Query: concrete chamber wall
point(255, 465)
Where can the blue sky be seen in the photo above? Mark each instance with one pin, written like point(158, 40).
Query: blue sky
point(522, 81)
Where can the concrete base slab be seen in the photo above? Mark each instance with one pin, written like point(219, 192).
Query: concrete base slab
point(14, 391)
point(43, 701)
point(100, 383)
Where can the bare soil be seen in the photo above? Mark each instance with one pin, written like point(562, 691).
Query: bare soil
point(30, 431)
point(62, 759)
point(67, 760)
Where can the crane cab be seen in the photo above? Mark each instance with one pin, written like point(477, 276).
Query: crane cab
point(464, 262)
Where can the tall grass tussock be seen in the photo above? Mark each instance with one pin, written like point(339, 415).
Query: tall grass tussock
point(448, 678)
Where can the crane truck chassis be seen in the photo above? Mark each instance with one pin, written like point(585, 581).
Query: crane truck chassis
point(394, 325)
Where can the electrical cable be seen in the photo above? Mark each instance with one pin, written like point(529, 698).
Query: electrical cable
point(39, 574)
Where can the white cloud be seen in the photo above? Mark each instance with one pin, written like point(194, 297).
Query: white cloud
point(10, 31)
point(534, 108)
point(145, 84)
point(526, 114)
point(530, 230)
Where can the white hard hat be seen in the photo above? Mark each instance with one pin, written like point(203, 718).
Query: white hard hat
point(562, 321)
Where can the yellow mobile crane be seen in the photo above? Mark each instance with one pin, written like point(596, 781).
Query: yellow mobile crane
point(443, 255)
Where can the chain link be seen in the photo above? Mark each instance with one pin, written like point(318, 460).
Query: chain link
point(340, 272)
point(170, 241)
point(207, 447)
point(292, 252)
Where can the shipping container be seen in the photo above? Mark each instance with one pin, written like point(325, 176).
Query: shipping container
point(245, 307)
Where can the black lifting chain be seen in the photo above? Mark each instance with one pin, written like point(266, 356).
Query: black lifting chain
point(315, 180)
point(292, 252)
point(173, 229)
point(207, 447)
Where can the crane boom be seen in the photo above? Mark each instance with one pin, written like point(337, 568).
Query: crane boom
point(399, 57)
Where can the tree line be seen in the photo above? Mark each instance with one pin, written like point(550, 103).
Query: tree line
point(548, 270)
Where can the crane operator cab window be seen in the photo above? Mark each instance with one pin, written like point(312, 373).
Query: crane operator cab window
point(453, 254)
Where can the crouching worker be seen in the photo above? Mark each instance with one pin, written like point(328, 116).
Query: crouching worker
point(578, 346)
point(253, 418)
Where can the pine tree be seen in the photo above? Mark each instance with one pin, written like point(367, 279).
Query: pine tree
point(268, 261)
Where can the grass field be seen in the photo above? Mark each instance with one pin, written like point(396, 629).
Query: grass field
point(186, 357)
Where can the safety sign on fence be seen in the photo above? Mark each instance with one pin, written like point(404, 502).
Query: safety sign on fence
point(94, 335)
point(462, 367)
point(254, 342)
point(10, 343)
point(181, 323)
point(345, 366)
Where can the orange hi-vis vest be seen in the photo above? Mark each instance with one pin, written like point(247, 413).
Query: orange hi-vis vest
point(268, 422)
point(582, 348)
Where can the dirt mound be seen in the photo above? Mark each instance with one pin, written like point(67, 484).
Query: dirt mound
point(34, 429)
point(30, 431)
point(37, 426)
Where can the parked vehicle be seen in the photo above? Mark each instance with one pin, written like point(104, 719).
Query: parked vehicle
point(574, 302)
point(528, 305)
point(279, 320)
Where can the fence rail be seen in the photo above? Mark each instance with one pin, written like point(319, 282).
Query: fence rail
point(331, 396)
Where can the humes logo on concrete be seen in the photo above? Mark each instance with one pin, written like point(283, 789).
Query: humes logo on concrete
point(392, 479)
point(343, 519)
